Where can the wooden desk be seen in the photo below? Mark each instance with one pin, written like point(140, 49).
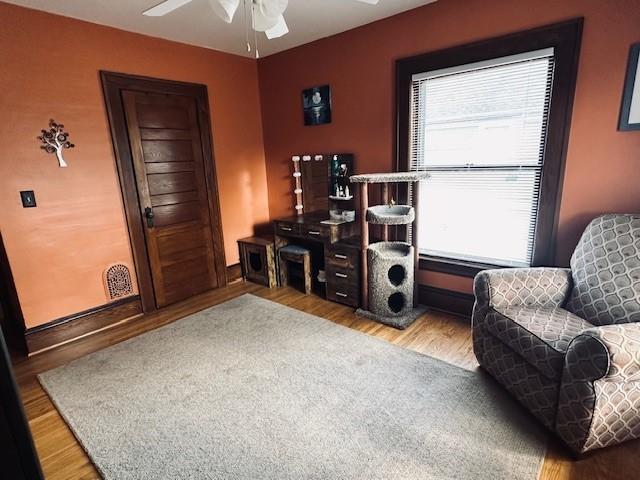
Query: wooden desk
point(340, 255)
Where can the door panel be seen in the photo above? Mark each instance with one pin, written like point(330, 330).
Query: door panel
point(164, 136)
point(163, 115)
point(169, 167)
point(176, 214)
point(171, 198)
point(164, 151)
point(176, 242)
point(181, 256)
point(162, 183)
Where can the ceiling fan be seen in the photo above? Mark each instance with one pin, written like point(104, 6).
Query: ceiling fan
point(266, 15)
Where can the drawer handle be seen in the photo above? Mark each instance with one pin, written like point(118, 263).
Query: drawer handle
point(341, 275)
point(286, 229)
point(340, 294)
point(313, 232)
point(340, 256)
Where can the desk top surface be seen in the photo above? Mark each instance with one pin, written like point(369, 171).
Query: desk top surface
point(311, 217)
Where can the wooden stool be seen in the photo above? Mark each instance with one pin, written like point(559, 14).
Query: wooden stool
point(295, 254)
point(258, 261)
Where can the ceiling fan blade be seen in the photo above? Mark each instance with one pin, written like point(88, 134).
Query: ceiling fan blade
point(260, 21)
point(271, 8)
point(370, 2)
point(266, 13)
point(278, 30)
point(225, 9)
point(164, 8)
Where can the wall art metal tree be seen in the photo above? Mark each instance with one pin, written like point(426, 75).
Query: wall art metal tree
point(55, 140)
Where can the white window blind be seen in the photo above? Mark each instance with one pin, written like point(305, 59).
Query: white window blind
point(479, 129)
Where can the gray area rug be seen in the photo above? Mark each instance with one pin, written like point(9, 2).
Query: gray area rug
point(255, 390)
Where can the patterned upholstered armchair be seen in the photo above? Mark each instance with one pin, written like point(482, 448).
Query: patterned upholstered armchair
point(566, 343)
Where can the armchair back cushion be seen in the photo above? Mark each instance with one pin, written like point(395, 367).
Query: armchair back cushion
point(605, 267)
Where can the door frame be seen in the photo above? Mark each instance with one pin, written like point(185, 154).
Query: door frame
point(112, 85)
point(9, 301)
point(17, 450)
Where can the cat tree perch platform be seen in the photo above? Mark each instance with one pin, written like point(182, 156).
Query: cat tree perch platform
point(393, 177)
point(389, 269)
point(391, 215)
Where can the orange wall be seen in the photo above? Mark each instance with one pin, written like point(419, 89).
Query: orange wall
point(603, 165)
point(49, 68)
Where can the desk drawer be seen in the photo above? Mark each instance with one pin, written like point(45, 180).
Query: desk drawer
point(342, 258)
point(344, 293)
point(286, 228)
point(343, 285)
point(317, 232)
point(342, 276)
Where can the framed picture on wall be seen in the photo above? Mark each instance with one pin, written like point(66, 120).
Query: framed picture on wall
point(630, 111)
point(316, 105)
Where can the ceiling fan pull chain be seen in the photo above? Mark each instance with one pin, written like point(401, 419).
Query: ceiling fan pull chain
point(246, 25)
point(253, 27)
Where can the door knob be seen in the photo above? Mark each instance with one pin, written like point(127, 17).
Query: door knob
point(148, 213)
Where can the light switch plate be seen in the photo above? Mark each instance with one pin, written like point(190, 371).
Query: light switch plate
point(28, 198)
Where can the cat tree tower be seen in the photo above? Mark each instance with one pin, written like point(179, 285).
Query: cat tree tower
point(389, 268)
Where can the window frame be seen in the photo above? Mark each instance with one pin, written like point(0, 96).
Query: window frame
point(565, 39)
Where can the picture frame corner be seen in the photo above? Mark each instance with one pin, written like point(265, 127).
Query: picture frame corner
point(630, 105)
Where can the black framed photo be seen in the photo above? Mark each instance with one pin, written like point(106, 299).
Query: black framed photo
point(630, 111)
point(316, 105)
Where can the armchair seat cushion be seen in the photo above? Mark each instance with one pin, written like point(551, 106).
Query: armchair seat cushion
point(540, 336)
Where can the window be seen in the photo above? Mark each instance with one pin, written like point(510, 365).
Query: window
point(479, 130)
point(490, 122)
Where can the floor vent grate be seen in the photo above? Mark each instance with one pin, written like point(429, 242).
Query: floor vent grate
point(117, 281)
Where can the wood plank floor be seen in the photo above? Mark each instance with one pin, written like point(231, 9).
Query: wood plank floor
point(440, 335)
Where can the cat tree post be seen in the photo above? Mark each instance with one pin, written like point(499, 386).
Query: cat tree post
point(415, 190)
point(364, 241)
point(385, 201)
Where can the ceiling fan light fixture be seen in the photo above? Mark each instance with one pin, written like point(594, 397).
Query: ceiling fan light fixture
point(225, 9)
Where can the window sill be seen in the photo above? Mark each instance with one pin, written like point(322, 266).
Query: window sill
point(452, 266)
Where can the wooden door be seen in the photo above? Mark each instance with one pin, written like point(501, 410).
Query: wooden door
point(165, 141)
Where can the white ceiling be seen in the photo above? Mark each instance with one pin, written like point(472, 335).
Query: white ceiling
point(197, 24)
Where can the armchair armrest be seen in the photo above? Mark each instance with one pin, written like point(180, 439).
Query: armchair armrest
point(607, 352)
point(600, 389)
point(508, 287)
